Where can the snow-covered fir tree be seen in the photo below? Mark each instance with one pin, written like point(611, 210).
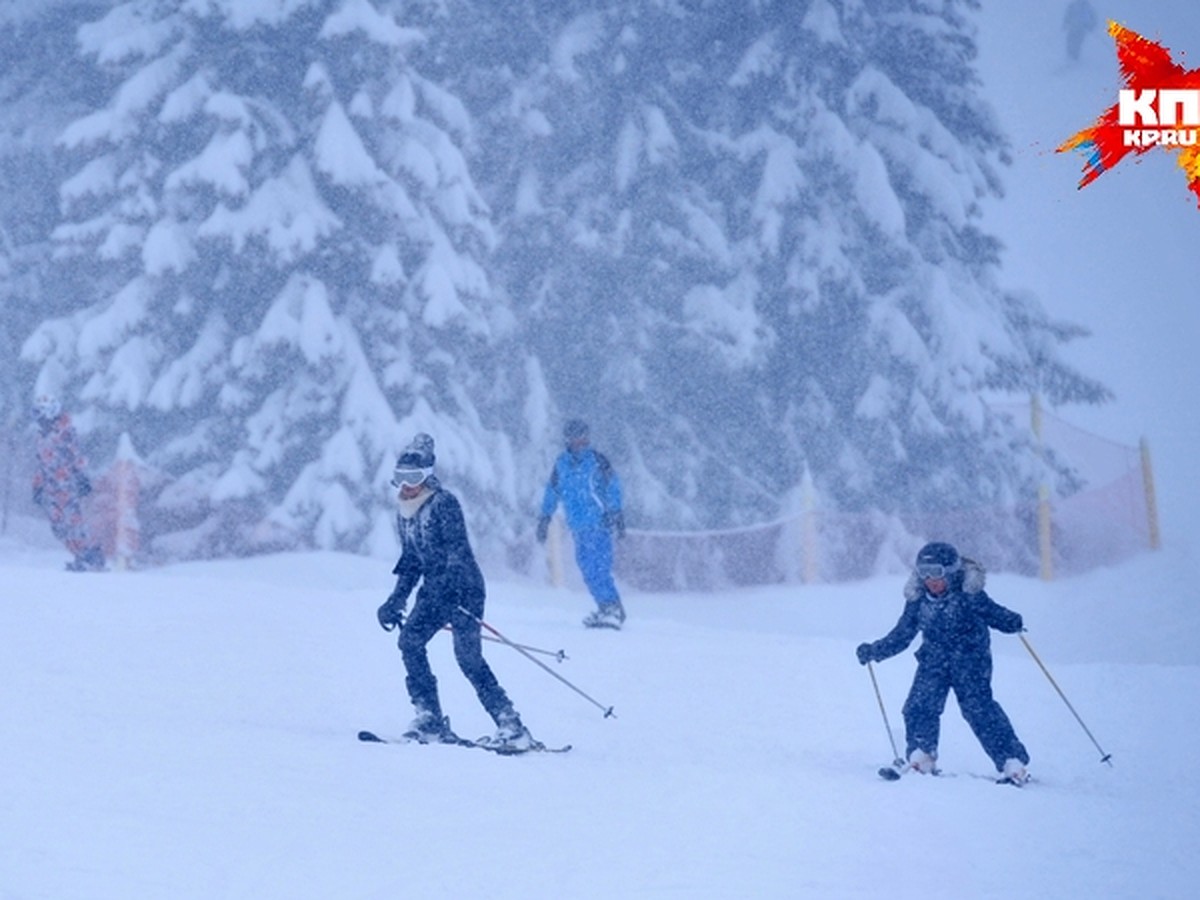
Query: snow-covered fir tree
point(742, 239)
point(36, 102)
point(746, 237)
point(286, 254)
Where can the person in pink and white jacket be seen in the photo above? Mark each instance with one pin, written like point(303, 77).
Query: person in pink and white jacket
point(60, 483)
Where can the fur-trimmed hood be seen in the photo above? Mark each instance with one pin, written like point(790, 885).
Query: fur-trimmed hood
point(974, 576)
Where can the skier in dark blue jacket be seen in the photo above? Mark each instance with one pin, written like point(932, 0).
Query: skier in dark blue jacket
point(436, 552)
point(584, 482)
point(946, 602)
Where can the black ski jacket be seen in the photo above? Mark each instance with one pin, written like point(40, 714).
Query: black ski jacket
point(953, 625)
point(435, 547)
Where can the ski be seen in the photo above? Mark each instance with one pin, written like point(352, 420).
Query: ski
point(502, 750)
point(371, 737)
point(895, 773)
point(899, 768)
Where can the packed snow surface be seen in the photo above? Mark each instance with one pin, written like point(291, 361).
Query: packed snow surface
point(190, 732)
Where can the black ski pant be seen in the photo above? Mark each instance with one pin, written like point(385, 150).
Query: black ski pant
point(971, 679)
point(429, 615)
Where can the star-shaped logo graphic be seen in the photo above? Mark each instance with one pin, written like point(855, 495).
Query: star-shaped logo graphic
point(1158, 109)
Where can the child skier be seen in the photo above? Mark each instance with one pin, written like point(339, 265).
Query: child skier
point(947, 604)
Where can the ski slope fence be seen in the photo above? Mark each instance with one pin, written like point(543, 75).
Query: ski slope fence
point(1109, 518)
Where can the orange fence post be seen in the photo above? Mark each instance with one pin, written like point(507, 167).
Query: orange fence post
point(1045, 532)
point(554, 552)
point(808, 531)
point(1151, 499)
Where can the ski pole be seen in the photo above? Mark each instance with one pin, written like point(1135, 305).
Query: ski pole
point(559, 655)
point(896, 760)
point(1104, 757)
point(608, 710)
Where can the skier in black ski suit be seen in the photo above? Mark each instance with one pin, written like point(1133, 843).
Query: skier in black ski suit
point(946, 602)
point(436, 551)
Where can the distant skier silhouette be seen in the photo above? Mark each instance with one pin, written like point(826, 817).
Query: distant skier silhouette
point(1079, 21)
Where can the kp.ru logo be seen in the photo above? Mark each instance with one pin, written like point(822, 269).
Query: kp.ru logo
point(1143, 113)
point(1159, 108)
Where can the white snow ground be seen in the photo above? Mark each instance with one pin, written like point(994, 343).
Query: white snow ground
point(189, 732)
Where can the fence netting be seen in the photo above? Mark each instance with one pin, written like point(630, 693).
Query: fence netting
point(1105, 519)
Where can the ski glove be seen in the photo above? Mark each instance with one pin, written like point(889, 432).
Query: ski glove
point(543, 529)
point(866, 654)
point(391, 614)
point(615, 522)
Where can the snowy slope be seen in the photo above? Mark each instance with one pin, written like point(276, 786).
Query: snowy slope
point(189, 732)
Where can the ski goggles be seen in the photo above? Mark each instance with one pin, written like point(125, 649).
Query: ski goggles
point(928, 571)
point(410, 477)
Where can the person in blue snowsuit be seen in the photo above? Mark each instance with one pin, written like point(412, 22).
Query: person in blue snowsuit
point(588, 488)
point(436, 552)
point(946, 603)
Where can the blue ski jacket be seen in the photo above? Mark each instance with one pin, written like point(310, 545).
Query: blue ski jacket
point(587, 487)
